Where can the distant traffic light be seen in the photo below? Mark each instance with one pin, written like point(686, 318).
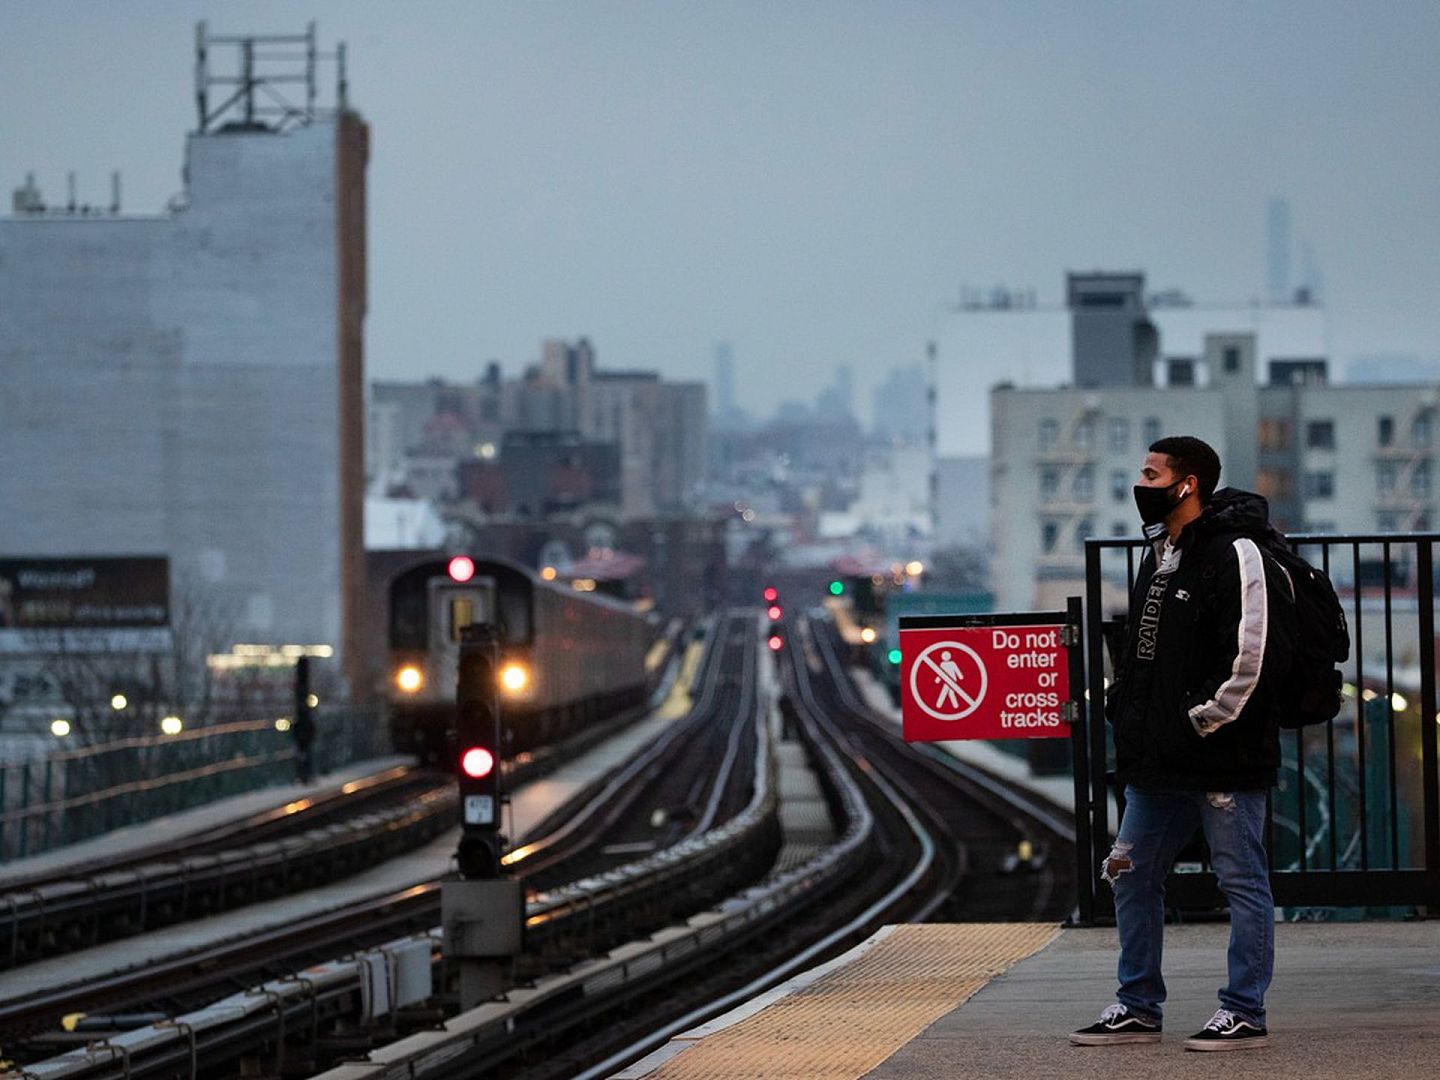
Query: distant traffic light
point(477, 748)
point(776, 642)
point(775, 612)
point(462, 568)
point(837, 587)
point(771, 594)
point(894, 656)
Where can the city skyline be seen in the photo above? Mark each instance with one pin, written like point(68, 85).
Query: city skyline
point(813, 185)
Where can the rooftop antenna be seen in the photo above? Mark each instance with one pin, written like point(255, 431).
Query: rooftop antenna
point(254, 98)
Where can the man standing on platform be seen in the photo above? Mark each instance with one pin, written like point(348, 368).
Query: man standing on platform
point(1211, 627)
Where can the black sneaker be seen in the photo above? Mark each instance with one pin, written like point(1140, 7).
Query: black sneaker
point(1117, 1025)
point(1226, 1031)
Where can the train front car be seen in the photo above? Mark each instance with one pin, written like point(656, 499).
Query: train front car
point(566, 658)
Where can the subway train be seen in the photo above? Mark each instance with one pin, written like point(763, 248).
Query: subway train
point(567, 660)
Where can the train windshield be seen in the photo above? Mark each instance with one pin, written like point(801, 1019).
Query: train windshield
point(458, 606)
point(462, 614)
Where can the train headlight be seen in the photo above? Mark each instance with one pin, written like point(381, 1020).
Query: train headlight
point(514, 677)
point(410, 678)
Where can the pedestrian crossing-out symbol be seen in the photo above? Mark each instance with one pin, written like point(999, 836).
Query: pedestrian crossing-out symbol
point(948, 680)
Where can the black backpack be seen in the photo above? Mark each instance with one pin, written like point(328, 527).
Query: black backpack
point(1309, 693)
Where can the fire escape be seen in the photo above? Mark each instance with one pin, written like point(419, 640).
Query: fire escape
point(1405, 467)
point(1069, 466)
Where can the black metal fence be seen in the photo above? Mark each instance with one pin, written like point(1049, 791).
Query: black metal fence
point(76, 794)
point(1354, 819)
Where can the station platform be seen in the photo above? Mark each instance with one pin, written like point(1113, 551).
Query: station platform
point(952, 1001)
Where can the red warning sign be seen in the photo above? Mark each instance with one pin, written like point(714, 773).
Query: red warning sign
point(983, 682)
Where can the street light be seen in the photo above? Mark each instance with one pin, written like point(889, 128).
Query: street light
point(172, 725)
point(118, 702)
point(60, 727)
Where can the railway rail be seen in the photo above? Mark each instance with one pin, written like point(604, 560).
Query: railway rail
point(306, 843)
point(558, 919)
point(898, 856)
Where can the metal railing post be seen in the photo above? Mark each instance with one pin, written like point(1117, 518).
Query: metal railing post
point(4, 831)
point(45, 799)
point(1084, 881)
point(1431, 801)
point(24, 808)
point(1098, 805)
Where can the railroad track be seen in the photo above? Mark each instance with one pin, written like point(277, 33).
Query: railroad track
point(897, 857)
point(1016, 849)
point(724, 708)
point(306, 843)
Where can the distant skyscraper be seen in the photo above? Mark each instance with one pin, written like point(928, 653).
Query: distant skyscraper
point(837, 401)
point(901, 409)
point(1277, 244)
point(1312, 282)
point(724, 379)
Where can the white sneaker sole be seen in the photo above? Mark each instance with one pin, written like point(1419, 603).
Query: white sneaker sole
point(1221, 1044)
point(1114, 1040)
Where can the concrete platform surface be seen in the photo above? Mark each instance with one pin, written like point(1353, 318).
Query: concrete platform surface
point(1349, 1000)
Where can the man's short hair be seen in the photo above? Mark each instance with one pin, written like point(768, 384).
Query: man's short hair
point(1190, 456)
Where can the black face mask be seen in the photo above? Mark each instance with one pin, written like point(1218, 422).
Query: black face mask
point(1154, 503)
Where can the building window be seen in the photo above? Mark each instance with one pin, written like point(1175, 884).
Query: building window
point(1319, 485)
point(1320, 434)
point(1422, 521)
point(1273, 483)
point(1083, 486)
point(1420, 430)
point(1049, 536)
point(1420, 479)
point(1385, 473)
point(1119, 434)
point(1274, 435)
point(1085, 434)
point(1049, 433)
point(1230, 359)
point(1119, 528)
point(1385, 430)
point(1049, 482)
point(1152, 430)
point(1084, 528)
point(1119, 485)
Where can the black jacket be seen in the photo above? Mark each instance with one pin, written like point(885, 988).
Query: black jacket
point(1207, 640)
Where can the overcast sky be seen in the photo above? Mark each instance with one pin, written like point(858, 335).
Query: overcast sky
point(811, 181)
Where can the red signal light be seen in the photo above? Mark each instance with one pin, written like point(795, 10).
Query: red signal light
point(462, 568)
point(776, 642)
point(772, 594)
point(477, 763)
point(775, 612)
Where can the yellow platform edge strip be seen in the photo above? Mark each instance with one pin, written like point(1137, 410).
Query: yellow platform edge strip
point(843, 1024)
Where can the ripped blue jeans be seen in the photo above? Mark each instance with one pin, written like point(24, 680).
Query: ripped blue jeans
point(1156, 825)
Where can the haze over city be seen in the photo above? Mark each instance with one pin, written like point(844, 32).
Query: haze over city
point(814, 183)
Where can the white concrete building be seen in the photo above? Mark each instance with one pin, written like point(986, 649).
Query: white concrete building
point(191, 383)
point(1349, 459)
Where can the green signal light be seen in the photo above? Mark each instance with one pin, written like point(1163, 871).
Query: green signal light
point(894, 656)
point(837, 588)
